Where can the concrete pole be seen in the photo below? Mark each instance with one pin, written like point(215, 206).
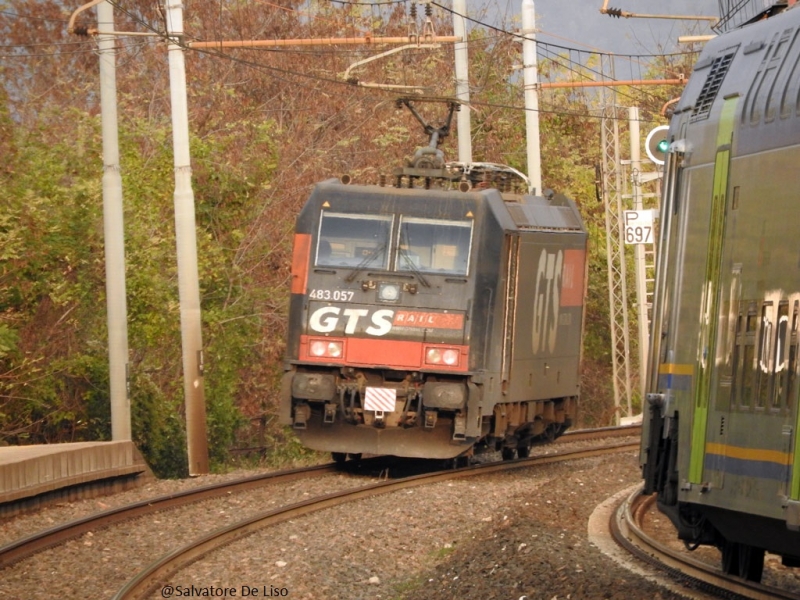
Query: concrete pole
point(114, 233)
point(186, 240)
point(462, 81)
point(531, 81)
point(639, 254)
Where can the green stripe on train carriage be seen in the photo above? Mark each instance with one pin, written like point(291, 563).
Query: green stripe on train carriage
point(711, 300)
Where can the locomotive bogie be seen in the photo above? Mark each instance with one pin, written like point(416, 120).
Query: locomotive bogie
point(416, 313)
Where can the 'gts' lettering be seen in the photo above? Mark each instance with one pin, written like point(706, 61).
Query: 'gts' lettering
point(546, 301)
point(326, 319)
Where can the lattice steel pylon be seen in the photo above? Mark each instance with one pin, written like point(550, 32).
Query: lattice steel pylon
point(611, 178)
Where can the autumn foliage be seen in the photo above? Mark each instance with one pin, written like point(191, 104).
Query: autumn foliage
point(266, 124)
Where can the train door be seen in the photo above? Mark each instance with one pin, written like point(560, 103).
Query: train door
point(710, 307)
point(510, 309)
point(728, 355)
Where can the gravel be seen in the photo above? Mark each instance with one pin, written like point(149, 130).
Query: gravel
point(521, 534)
point(505, 536)
point(97, 564)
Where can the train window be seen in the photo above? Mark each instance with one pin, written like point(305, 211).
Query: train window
point(353, 240)
point(776, 103)
point(790, 98)
point(732, 331)
point(744, 389)
point(433, 245)
point(752, 99)
point(780, 373)
point(791, 392)
point(737, 351)
point(764, 355)
point(768, 86)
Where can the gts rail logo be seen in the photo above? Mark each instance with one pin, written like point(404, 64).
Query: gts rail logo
point(325, 320)
point(380, 322)
point(546, 301)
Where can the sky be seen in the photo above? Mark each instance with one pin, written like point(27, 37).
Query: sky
point(579, 23)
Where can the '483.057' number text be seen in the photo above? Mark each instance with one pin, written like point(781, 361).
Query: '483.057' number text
point(335, 295)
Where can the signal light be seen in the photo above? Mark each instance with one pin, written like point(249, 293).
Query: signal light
point(657, 144)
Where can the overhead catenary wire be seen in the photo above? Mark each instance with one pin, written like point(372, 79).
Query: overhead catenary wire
point(291, 76)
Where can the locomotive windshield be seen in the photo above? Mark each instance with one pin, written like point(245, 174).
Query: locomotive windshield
point(353, 240)
point(423, 245)
point(433, 246)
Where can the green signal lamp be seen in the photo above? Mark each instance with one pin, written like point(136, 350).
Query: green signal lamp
point(657, 144)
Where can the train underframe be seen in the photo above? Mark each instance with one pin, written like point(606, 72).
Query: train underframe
point(434, 416)
point(735, 534)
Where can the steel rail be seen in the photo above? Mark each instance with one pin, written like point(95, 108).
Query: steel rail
point(19, 549)
point(627, 530)
point(173, 562)
point(574, 435)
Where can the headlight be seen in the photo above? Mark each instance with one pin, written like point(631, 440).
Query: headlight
point(388, 292)
point(326, 349)
point(450, 357)
point(442, 356)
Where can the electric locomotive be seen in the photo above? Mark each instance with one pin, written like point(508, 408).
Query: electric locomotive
point(721, 445)
point(434, 315)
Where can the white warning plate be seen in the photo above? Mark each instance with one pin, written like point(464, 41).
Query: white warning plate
point(380, 399)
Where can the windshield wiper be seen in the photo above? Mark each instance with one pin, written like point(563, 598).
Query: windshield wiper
point(365, 262)
point(406, 257)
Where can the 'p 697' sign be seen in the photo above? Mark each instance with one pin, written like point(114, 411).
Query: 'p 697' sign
point(639, 227)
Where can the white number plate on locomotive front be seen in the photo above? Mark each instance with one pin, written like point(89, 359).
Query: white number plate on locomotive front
point(380, 399)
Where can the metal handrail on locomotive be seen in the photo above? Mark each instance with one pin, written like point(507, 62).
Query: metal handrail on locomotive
point(436, 315)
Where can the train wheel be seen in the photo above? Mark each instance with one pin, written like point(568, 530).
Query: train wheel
point(459, 462)
point(730, 558)
point(743, 560)
point(751, 563)
point(508, 453)
point(339, 457)
point(524, 450)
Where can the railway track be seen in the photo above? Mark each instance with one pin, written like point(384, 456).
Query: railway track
point(627, 530)
point(149, 578)
point(20, 549)
point(23, 548)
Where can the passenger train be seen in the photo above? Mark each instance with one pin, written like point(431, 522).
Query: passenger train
point(436, 314)
point(720, 445)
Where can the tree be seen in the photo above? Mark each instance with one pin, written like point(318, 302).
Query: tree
point(266, 125)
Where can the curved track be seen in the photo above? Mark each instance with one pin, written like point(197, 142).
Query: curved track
point(158, 571)
point(25, 547)
point(626, 527)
